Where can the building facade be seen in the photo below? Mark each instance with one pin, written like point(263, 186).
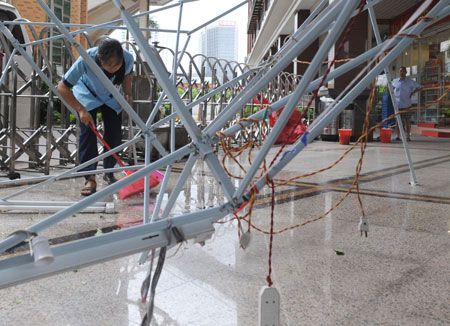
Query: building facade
point(69, 11)
point(220, 42)
point(427, 59)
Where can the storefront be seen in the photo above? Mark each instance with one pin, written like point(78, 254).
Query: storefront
point(435, 77)
point(427, 61)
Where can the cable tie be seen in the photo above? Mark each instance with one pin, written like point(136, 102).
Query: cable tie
point(178, 235)
point(304, 138)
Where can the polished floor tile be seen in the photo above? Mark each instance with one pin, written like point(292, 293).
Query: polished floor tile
point(325, 272)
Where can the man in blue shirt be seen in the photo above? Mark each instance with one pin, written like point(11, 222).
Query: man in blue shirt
point(405, 87)
point(84, 92)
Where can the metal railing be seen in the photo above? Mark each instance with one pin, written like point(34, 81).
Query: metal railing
point(48, 138)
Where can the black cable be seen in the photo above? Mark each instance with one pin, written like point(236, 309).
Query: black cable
point(146, 284)
point(158, 270)
point(149, 314)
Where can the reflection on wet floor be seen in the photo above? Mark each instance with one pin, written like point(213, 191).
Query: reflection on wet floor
point(200, 191)
point(395, 276)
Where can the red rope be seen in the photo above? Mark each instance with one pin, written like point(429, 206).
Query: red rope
point(338, 52)
point(268, 278)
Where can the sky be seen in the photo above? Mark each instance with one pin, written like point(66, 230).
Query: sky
point(198, 12)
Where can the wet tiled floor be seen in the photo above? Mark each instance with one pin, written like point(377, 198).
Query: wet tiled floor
point(398, 275)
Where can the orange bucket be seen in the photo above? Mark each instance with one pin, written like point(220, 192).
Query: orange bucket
point(385, 135)
point(344, 136)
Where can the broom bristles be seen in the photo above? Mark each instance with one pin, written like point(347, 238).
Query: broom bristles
point(139, 186)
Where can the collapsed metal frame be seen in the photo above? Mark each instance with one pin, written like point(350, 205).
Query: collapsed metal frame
point(16, 142)
point(198, 225)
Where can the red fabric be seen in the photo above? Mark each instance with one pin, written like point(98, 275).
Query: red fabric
point(294, 128)
point(139, 186)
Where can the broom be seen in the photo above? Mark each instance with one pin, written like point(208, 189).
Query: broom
point(136, 187)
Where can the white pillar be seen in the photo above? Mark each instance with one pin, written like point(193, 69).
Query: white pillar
point(144, 21)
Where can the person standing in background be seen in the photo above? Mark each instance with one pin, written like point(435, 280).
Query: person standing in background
point(405, 87)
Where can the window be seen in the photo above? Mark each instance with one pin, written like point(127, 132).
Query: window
point(61, 8)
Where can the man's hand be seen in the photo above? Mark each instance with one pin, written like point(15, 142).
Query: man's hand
point(86, 117)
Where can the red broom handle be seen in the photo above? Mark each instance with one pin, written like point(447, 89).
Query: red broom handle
point(106, 144)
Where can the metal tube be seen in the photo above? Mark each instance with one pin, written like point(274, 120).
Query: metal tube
point(351, 95)
point(8, 65)
point(27, 181)
point(147, 181)
point(161, 193)
point(339, 71)
point(160, 73)
point(63, 214)
point(317, 25)
point(75, 168)
point(187, 170)
point(96, 69)
point(373, 20)
point(172, 94)
point(107, 246)
point(331, 38)
point(44, 203)
point(99, 26)
point(13, 128)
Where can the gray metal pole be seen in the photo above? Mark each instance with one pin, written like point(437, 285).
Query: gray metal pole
point(185, 115)
point(341, 22)
point(96, 69)
point(316, 28)
point(63, 214)
point(74, 169)
point(352, 94)
point(373, 20)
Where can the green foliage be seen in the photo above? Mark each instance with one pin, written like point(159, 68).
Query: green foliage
point(72, 119)
point(167, 109)
point(227, 96)
point(44, 104)
point(194, 92)
point(247, 111)
point(182, 90)
point(311, 112)
point(381, 89)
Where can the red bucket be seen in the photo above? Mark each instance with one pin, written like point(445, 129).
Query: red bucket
point(344, 136)
point(385, 135)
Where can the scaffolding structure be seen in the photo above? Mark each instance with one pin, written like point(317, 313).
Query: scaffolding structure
point(165, 229)
point(41, 144)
